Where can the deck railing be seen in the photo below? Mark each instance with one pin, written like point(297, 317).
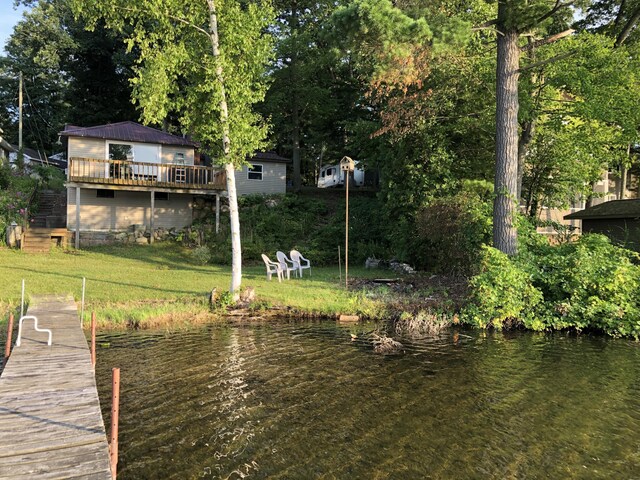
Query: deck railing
point(123, 172)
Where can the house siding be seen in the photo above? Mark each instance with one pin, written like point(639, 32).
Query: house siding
point(274, 180)
point(87, 148)
point(169, 152)
point(126, 209)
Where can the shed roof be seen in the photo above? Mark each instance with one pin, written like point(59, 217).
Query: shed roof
point(613, 209)
point(127, 132)
point(268, 157)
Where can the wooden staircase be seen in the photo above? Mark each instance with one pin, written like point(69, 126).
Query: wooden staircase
point(49, 226)
point(39, 240)
point(52, 210)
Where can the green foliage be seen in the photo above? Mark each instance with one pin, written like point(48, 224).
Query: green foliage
point(502, 294)
point(223, 300)
point(313, 225)
point(178, 73)
point(50, 177)
point(450, 231)
point(14, 197)
point(70, 75)
point(586, 284)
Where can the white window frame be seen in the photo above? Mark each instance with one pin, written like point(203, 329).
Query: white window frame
point(261, 172)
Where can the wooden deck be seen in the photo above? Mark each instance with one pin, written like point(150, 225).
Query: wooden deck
point(150, 176)
point(50, 420)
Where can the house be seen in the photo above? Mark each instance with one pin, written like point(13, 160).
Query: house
point(31, 158)
point(126, 177)
point(605, 190)
point(266, 175)
point(617, 219)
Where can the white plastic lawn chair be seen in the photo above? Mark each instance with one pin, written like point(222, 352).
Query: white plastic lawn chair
point(272, 267)
point(300, 262)
point(286, 264)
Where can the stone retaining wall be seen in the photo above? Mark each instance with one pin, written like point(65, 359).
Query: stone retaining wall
point(134, 234)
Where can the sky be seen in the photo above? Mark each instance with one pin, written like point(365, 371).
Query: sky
point(9, 16)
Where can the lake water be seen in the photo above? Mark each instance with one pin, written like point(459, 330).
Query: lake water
point(302, 401)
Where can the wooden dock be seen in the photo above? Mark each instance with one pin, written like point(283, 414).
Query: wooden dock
point(50, 420)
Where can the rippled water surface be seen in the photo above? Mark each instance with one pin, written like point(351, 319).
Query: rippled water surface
point(302, 401)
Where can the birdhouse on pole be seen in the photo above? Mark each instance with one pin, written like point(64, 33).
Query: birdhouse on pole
point(347, 164)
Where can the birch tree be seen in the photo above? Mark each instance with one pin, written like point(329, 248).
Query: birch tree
point(204, 61)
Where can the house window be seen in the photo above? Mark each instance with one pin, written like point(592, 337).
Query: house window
point(162, 196)
point(120, 151)
point(254, 172)
point(105, 194)
point(178, 158)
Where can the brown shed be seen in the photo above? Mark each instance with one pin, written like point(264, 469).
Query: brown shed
point(618, 219)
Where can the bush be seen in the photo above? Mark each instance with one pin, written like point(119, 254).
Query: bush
point(14, 197)
point(314, 226)
point(502, 294)
point(586, 284)
point(451, 231)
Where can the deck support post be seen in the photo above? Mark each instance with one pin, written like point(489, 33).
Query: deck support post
point(217, 213)
point(77, 218)
point(153, 214)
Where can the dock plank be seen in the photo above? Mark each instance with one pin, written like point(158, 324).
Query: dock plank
point(51, 425)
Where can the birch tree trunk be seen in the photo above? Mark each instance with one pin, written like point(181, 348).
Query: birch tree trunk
point(505, 237)
point(236, 251)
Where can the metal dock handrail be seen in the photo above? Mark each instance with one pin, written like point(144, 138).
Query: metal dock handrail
point(35, 325)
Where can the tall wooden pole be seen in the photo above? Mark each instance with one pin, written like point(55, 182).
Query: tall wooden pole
point(20, 115)
point(346, 234)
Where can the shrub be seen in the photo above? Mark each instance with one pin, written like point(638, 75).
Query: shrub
point(314, 226)
point(589, 283)
point(451, 231)
point(502, 294)
point(14, 197)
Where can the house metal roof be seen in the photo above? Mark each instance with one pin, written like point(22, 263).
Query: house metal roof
point(613, 209)
point(127, 132)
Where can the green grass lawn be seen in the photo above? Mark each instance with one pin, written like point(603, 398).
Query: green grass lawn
point(146, 283)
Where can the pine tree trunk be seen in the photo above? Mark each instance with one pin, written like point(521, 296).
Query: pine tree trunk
point(505, 236)
point(236, 251)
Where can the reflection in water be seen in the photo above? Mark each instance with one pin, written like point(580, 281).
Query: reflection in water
point(305, 401)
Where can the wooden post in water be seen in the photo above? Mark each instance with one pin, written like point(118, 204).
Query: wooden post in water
point(84, 284)
point(93, 339)
point(115, 411)
point(7, 348)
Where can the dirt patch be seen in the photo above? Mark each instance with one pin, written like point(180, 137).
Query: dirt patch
point(413, 293)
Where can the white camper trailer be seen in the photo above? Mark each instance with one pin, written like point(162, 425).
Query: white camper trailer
point(332, 176)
